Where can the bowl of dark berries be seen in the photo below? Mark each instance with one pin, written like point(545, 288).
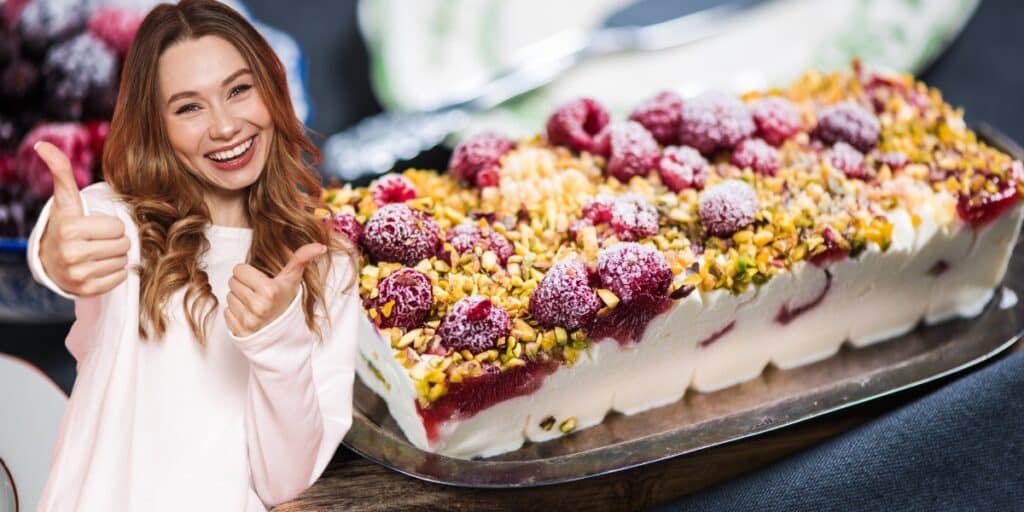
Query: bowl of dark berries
point(60, 63)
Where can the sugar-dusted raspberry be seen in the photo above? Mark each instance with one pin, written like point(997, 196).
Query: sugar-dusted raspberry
point(467, 236)
point(576, 123)
point(412, 294)
point(776, 119)
point(660, 114)
point(488, 177)
point(727, 207)
point(847, 159)
point(896, 160)
point(714, 121)
point(577, 226)
point(631, 271)
point(630, 216)
point(633, 218)
point(850, 123)
point(758, 155)
point(682, 167)
point(116, 27)
point(398, 233)
point(633, 151)
point(474, 324)
point(46, 22)
point(564, 297)
point(82, 71)
point(480, 153)
point(346, 224)
point(72, 139)
point(599, 209)
point(393, 188)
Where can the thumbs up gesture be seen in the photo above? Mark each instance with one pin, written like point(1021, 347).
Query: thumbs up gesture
point(85, 256)
point(256, 299)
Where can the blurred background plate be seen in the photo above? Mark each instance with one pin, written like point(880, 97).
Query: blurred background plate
point(424, 50)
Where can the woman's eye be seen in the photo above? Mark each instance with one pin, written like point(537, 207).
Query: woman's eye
point(239, 89)
point(191, 107)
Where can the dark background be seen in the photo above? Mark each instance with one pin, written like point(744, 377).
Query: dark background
point(982, 72)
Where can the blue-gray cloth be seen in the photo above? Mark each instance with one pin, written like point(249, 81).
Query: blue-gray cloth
point(959, 448)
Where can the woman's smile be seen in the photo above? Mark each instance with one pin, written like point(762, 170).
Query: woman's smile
point(234, 157)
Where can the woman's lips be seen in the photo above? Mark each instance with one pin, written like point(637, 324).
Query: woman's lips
point(239, 161)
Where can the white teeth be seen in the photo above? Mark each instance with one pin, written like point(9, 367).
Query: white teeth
point(233, 152)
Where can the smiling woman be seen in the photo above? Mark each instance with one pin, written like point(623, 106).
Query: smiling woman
point(214, 362)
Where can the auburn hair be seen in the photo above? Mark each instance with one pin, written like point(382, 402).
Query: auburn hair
point(166, 199)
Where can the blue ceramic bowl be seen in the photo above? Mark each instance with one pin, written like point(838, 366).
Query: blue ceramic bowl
point(22, 299)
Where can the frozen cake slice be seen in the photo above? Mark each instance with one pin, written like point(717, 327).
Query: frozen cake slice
point(613, 265)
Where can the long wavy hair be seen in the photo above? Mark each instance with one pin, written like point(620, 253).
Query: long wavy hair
point(166, 198)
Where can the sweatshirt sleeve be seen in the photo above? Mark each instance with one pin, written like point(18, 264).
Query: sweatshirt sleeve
point(294, 409)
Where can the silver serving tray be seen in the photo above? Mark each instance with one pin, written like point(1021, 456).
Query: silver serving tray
point(774, 400)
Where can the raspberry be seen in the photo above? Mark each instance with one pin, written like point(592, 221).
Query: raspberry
point(467, 236)
point(981, 207)
point(836, 249)
point(478, 154)
point(776, 119)
point(413, 296)
point(82, 71)
point(630, 216)
point(714, 121)
point(398, 233)
point(564, 297)
point(896, 160)
point(346, 224)
point(846, 158)
point(633, 218)
point(116, 27)
point(72, 139)
point(727, 207)
point(631, 271)
point(660, 115)
point(46, 22)
point(474, 324)
point(393, 188)
point(682, 167)
point(576, 123)
point(849, 123)
point(758, 155)
point(640, 277)
point(634, 152)
point(599, 210)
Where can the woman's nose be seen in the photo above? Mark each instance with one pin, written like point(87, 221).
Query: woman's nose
point(224, 124)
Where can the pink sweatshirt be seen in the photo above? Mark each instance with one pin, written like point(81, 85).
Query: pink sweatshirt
point(240, 424)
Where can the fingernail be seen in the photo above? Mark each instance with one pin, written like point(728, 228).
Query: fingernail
point(323, 248)
point(35, 146)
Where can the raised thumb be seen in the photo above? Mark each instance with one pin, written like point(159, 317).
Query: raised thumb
point(292, 271)
point(65, 190)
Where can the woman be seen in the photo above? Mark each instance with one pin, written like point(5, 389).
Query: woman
point(214, 339)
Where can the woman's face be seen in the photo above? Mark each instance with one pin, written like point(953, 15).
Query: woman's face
point(216, 120)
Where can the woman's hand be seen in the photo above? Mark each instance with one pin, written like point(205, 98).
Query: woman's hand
point(85, 256)
point(255, 299)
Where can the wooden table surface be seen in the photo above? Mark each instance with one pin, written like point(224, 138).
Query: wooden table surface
point(352, 483)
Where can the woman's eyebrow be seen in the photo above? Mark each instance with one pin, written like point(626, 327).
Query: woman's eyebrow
point(229, 79)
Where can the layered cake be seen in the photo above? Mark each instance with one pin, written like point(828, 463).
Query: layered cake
point(613, 265)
